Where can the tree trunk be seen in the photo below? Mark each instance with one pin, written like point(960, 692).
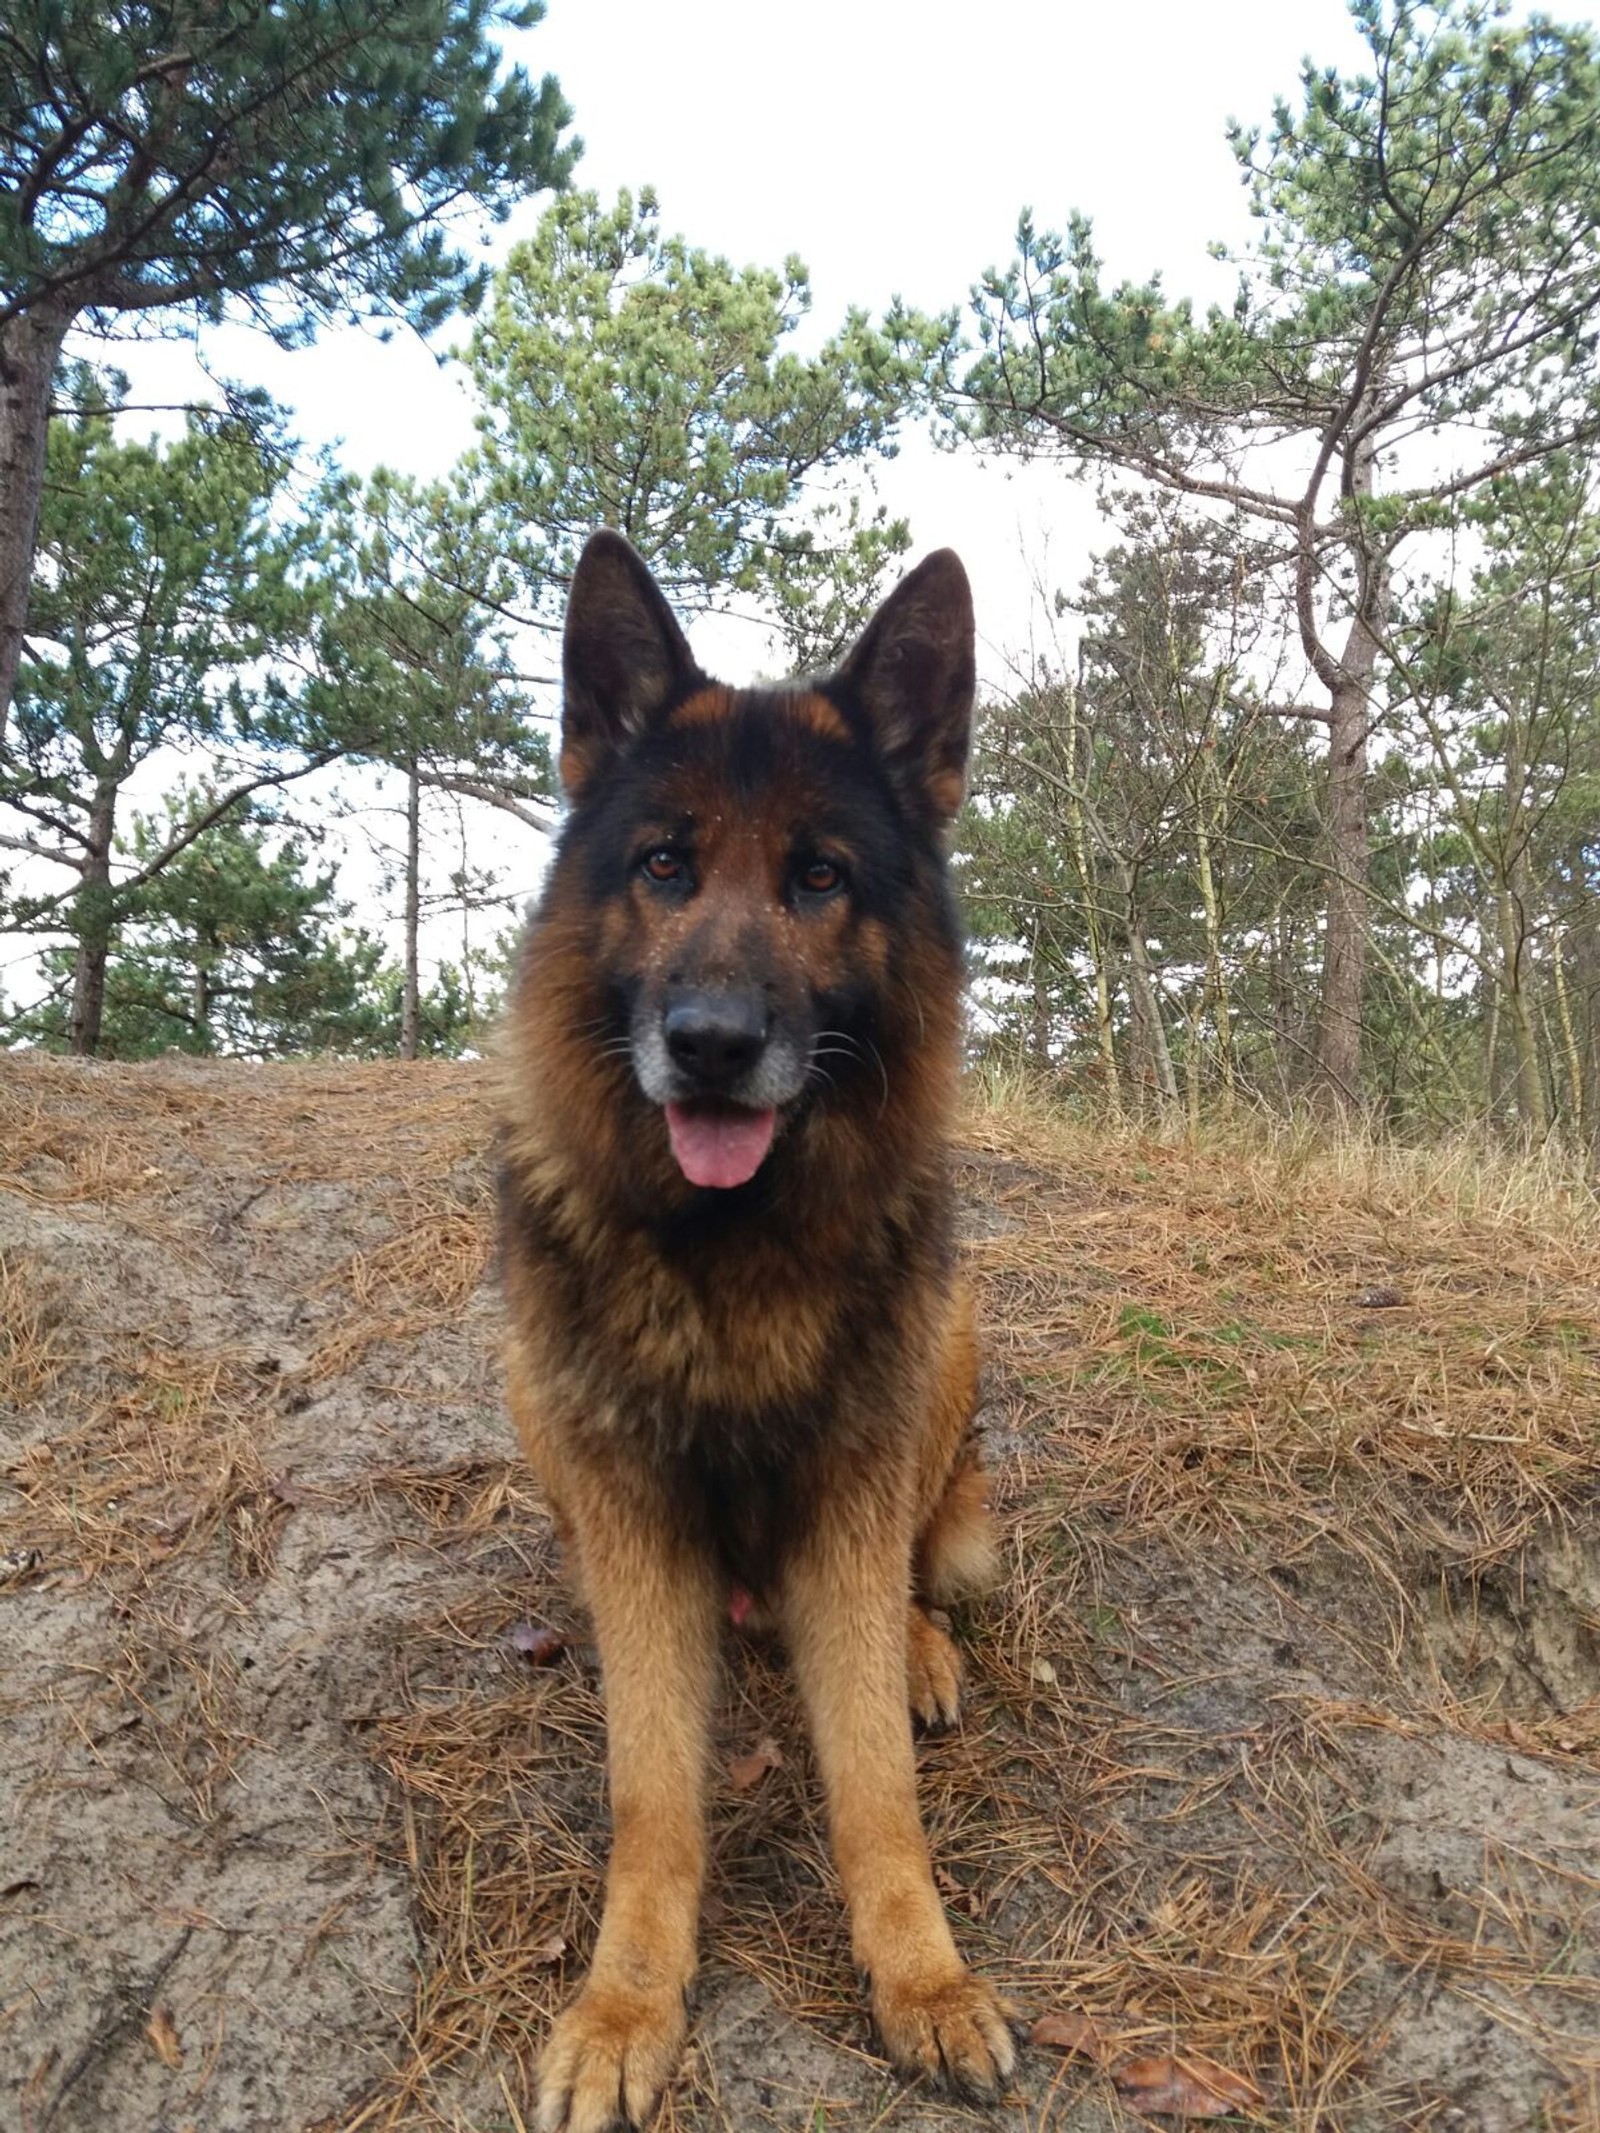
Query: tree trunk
point(200, 993)
point(409, 997)
point(1581, 960)
point(1513, 901)
point(1569, 1034)
point(92, 923)
point(1515, 968)
point(30, 345)
point(1349, 683)
point(1344, 948)
point(1078, 828)
point(1038, 1010)
point(1286, 1049)
point(1150, 1056)
point(1147, 1033)
point(1214, 1001)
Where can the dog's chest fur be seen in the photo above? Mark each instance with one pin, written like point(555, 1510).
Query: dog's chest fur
point(733, 1361)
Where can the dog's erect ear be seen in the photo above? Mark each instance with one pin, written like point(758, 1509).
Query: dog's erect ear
point(623, 658)
point(913, 673)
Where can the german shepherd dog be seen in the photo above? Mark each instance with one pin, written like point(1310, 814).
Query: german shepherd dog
point(741, 1359)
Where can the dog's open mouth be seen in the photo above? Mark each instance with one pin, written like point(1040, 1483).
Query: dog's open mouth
point(719, 1144)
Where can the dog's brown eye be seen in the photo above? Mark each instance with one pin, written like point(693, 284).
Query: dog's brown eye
point(663, 864)
point(820, 877)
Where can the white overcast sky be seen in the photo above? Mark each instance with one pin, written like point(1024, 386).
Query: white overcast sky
point(891, 146)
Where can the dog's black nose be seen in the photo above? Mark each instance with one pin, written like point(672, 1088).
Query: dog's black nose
point(714, 1037)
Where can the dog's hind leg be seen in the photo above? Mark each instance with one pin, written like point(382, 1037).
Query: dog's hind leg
point(957, 1555)
point(657, 1616)
point(933, 1669)
point(956, 1559)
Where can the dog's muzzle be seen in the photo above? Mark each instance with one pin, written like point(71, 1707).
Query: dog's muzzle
point(715, 1039)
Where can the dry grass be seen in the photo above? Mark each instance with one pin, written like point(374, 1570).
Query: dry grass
point(1145, 1816)
point(30, 1352)
point(418, 1278)
point(1251, 1333)
point(141, 1464)
point(75, 1132)
point(167, 1464)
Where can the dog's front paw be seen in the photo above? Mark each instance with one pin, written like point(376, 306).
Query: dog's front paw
point(954, 2026)
point(608, 2059)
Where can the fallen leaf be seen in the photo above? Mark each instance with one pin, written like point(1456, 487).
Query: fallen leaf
point(1190, 2087)
point(747, 1770)
point(1071, 2033)
point(163, 2034)
point(1042, 1671)
point(288, 1490)
point(551, 1950)
point(537, 1644)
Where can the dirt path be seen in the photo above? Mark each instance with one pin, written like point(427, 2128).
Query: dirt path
point(1284, 1744)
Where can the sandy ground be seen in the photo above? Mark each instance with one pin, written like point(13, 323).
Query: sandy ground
point(1282, 1755)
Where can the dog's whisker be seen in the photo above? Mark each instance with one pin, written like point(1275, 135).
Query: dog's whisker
point(883, 1073)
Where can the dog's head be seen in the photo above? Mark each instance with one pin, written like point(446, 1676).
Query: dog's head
point(753, 857)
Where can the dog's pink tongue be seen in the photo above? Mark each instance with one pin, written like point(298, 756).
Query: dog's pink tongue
point(719, 1146)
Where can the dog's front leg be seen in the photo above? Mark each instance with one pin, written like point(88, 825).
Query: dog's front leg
point(846, 1596)
point(656, 1615)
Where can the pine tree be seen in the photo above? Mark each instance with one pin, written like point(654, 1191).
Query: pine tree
point(302, 159)
point(1415, 324)
point(234, 946)
point(629, 379)
point(165, 588)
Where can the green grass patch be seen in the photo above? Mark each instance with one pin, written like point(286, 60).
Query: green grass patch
point(1149, 1346)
